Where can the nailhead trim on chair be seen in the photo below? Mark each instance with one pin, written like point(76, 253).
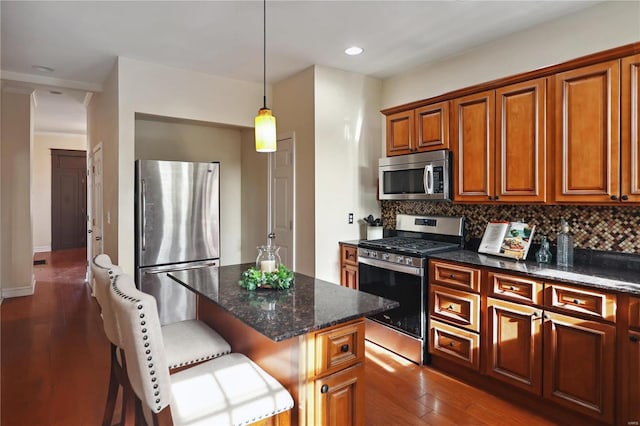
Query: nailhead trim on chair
point(146, 345)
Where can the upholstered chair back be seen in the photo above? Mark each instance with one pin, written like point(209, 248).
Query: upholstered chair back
point(103, 272)
point(147, 368)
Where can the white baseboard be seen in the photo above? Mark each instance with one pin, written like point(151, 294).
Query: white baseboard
point(19, 291)
point(40, 249)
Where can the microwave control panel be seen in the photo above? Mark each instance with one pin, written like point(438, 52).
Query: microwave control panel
point(438, 179)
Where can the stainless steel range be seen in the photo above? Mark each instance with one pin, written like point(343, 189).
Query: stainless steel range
point(396, 268)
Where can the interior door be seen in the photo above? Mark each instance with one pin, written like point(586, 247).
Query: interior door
point(97, 244)
point(68, 199)
point(282, 172)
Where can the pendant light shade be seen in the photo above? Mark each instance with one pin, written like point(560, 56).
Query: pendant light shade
point(265, 122)
point(265, 131)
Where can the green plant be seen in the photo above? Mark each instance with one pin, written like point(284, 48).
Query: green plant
point(253, 278)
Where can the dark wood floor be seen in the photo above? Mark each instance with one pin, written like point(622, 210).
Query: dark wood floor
point(54, 362)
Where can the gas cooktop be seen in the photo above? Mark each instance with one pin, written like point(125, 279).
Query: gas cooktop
point(406, 245)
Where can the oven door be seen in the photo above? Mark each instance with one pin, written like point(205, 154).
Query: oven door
point(402, 283)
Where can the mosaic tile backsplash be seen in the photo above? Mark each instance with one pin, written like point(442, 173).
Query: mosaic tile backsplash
point(605, 228)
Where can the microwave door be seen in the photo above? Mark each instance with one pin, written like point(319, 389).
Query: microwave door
point(428, 179)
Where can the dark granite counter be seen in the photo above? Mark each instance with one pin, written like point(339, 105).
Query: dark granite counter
point(351, 242)
point(591, 275)
point(311, 304)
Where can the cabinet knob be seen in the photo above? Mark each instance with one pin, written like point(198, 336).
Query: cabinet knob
point(490, 197)
point(497, 197)
point(324, 389)
point(451, 344)
point(344, 348)
point(634, 338)
point(513, 288)
point(614, 197)
point(578, 302)
point(624, 197)
point(450, 307)
point(452, 276)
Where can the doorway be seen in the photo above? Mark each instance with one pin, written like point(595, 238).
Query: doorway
point(282, 194)
point(68, 199)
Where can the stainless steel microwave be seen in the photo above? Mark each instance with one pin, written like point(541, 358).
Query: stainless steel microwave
point(424, 176)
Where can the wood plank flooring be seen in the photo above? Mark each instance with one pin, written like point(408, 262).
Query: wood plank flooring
point(55, 358)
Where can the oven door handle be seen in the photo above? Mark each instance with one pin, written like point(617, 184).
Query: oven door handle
point(412, 270)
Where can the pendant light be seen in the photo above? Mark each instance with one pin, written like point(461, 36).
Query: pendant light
point(265, 122)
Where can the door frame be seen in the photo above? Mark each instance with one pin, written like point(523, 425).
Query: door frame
point(90, 216)
point(271, 210)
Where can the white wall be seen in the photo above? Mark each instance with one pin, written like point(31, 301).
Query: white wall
point(157, 140)
point(43, 143)
point(347, 148)
point(16, 129)
point(293, 107)
point(170, 92)
point(606, 25)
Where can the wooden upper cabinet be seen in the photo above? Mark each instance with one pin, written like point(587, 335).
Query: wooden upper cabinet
point(630, 145)
point(587, 129)
point(400, 133)
point(432, 127)
point(472, 144)
point(418, 130)
point(520, 150)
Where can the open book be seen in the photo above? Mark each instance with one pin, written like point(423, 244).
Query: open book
point(509, 239)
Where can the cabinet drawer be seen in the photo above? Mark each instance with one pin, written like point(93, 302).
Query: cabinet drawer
point(453, 274)
point(455, 344)
point(339, 347)
point(574, 300)
point(460, 307)
point(634, 312)
point(515, 288)
point(348, 254)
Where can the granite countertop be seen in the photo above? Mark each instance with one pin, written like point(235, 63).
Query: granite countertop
point(351, 242)
point(311, 304)
point(591, 275)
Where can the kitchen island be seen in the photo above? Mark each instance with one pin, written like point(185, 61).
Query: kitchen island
point(309, 337)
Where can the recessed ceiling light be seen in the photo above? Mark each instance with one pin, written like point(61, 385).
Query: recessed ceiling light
point(353, 50)
point(42, 68)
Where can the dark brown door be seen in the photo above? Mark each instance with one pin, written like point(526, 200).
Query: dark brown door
point(68, 199)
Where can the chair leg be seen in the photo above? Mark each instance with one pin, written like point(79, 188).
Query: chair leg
point(112, 392)
point(128, 398)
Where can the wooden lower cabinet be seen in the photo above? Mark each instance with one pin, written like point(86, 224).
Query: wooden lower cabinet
point(514, 344)
point(455, 344)
point(579, 365)
point(633, 370)
point(339, 399)
point(349, 266)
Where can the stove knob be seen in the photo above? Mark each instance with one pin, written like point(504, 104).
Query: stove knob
point(385, 256)
point(408, 261)
point(374, 254)
point(400, 259)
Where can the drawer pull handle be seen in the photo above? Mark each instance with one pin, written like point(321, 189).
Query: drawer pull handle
point(536, 315)
point(452, 276)
point(344, 348)
point(578, 302)
point(634, 338)
point(451, 344)
point(513, 288)
point(324, 389)
point(450, 307)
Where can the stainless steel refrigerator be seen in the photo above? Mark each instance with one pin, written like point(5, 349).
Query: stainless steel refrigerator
point(177, 228)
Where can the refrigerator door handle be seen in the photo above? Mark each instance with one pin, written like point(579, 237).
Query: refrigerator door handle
point(143, 201)
point(183, 268)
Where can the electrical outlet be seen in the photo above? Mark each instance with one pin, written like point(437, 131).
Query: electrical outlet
point(350, 217)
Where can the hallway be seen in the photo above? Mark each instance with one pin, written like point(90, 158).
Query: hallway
point(55, 356)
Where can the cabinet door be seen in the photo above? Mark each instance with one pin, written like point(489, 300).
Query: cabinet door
point(633, 375)
point(349, 277)
point(579, 365)
point(400, 133)
point(472, 144)
point(514, 344)
point(521, 142)
point(432, 127)
point(630, 147)
point(587, 130)
point(339, 398)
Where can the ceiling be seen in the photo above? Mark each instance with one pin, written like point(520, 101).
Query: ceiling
point(80, 40)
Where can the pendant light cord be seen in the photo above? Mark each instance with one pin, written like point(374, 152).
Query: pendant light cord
point(264, 53)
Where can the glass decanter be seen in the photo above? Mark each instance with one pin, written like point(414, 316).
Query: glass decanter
point(543, 255)
point(268, 258)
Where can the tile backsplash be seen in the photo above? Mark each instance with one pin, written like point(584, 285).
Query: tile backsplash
point(605, 228)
